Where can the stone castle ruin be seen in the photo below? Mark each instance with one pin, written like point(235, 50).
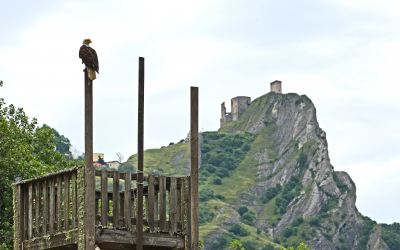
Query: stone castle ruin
point(240, 104)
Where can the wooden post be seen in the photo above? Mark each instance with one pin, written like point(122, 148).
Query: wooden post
point(89, 220)
point(194, 165)
point(139, 222)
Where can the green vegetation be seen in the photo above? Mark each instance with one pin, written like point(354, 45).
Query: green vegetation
point(238, 230)
point(391, 235)
point(26, 151)
point(368, 226)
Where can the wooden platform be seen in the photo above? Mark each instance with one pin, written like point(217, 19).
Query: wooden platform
point(50, 211)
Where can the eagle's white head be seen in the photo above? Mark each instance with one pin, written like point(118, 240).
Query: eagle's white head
point(86, 42)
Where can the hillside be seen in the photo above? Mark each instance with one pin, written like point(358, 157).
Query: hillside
point(266, 178)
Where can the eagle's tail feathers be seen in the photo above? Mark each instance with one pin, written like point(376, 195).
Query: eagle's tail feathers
point(91, 73)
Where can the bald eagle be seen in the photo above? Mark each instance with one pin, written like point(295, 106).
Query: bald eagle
point(89, 58)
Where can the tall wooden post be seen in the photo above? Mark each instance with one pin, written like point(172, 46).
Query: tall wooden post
point(89, 221)
point(139, 223)
point(194, 166)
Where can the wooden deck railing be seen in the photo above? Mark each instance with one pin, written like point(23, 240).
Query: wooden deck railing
point(117, 208)
point(50, 209)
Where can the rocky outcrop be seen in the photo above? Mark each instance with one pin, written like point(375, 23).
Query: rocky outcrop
point(375, 240)
point(288, 125)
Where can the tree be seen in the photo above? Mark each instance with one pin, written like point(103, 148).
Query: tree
point(101, 161)
point(119, 157)
point(25, 152)
point(63, 144)
point(235, 245)
point(302, 246)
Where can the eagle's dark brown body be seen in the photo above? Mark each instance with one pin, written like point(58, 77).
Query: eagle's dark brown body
point(89, 57)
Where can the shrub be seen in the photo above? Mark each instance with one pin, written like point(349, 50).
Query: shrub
point(237, 229)
point(171, 143)
point(288, 232)
point(242, 210)
point(205, 195)
point(217, 181)
point(258, 230)
point(248, 245)
point(222, 172)
point(205, 148)
point(248, 218)
point(303, 234)
point(277, 240)
point(315, 221)
point(269, 246)
point(271, 193)
point(297, 221)
point(245, 147)
point(301, 161)
point(220, 196)
point(210, 168)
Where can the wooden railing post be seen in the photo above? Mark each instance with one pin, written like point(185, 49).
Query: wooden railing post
point(89, 220)
point(194, 165)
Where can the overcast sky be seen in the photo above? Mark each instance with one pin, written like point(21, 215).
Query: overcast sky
point(344, 55)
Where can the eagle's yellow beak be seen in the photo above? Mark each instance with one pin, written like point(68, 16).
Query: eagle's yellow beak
point(90, 41)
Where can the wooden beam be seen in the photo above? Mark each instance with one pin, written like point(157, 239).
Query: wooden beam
point(194, 165)
point(89, 220)
point(139, 226)
point(116, 199)
point(66, 202)
point(104, 198)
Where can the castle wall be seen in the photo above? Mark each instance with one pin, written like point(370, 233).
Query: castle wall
point(276, 86)
point(239, 106)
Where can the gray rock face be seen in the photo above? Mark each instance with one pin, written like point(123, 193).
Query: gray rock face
point(375, 240)
point(297, 130)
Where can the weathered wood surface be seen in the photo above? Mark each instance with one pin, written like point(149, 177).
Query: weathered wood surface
point(37, 209)
point(52, 241)
point(89, 220)
point(163, 203)
point(66, 202)
point(59, 204)
point(111, 237)
point(140, 146)
point(194, 165)
point(127, 201)
point(104, 197)
point(116, 197)
point(74, 200)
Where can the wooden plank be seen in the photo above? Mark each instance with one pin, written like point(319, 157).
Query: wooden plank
point(37, 209)
point(194, 165)
point(58, 241)
point(116, 199)
point(26, 208)
point(124, 239)
point(183, 202)
point(127, 201)
point(189, 217)
point(66, 202)
point(52, 206)
point(74, 200)
point(139, 226)
point(59, 204)
point(20, 206)
point(173, 215)
point(150, 203)
point(30, 210)
point(163, 203)
point(45, 210)
point(156, 206)
point(104, 198)
point(89, 220)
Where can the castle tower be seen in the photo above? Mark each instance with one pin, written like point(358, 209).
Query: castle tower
point(276, 86)
point(239, 105)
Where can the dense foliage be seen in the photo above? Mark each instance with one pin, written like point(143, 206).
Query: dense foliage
point(222, 153)
point(25, 152)
point(391, 235)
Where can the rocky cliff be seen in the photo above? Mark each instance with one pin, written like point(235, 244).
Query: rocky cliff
point(266, 179)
